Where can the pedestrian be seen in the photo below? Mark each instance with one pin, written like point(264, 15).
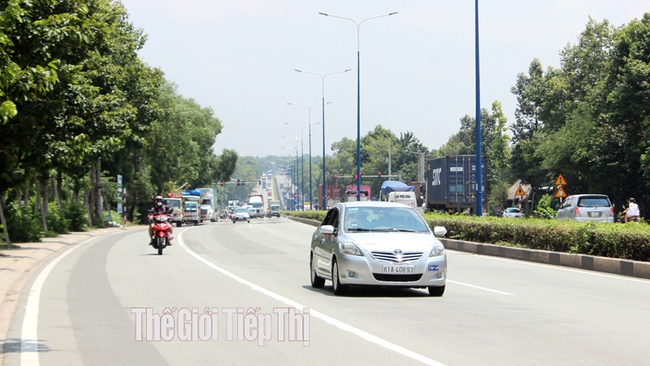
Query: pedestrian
point(632, 213)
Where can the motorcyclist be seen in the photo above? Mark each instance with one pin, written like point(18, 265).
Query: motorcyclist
point(160, 208)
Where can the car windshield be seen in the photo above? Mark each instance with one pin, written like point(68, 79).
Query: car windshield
point(513, 210)
point(593, 202)
point(173, 203)
point(241, 210)
point(391, 219)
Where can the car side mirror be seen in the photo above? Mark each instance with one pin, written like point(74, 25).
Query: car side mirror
point(439, 231)
point(327, 230)
point(557, 206)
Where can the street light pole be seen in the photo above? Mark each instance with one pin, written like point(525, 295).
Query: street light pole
point(358, 24)
point(323, 76)
point(296, 182)
point(311, 198)
point(479, 160)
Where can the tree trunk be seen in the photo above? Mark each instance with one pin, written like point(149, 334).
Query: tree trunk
point(37, 203)
point(45, 201)
point(98, 189)
point(57, 190)
point(3, 220)
point(87, 204)
point(26, 191)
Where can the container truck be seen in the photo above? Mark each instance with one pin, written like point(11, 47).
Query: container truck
point(451, 183)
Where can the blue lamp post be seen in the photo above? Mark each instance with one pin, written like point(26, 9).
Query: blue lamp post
point(358, 24)
point(479, 160)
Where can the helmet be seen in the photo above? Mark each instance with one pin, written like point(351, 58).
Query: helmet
point(158, 198)
point(631, 199)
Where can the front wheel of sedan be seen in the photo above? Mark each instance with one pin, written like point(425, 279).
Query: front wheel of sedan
point(339, 289)
point(436, 290)
point(316, 280)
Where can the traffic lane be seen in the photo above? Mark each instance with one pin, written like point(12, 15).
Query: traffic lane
point(523, 326)
point(177, 280)
point(67, 300)
point(570, 316)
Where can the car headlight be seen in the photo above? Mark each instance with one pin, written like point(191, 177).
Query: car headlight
point(349, 248)
point(437, 250)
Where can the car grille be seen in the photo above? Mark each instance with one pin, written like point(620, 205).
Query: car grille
point(392, 257)
point(397, 277)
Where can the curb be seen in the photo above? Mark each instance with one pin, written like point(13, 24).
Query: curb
point(623, 267)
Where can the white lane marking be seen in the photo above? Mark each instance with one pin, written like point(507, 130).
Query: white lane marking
point(481, 288)
point(29, 347)
point(337, 323)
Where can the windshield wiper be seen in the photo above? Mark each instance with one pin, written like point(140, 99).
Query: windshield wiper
point(358, 229)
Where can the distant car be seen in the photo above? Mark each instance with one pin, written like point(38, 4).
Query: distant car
point(252, 212)
point(512, 213)
point(380, 244)
point(241, 213)
point(586, 207)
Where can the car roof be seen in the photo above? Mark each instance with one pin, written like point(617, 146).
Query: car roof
point(589, 195)
point(377, 204)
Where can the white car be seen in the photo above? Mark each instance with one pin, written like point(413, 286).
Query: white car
point(362, 243)
point(241, 213)
point(512, 213)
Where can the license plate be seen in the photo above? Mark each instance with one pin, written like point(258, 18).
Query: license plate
point(399, 269)
point(594, 213)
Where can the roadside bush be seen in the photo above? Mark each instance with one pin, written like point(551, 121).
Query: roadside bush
point(21, 230)
point(544, 209)
point(75, 216)
point(627, 241)
point(317, 215)
point(55, 221)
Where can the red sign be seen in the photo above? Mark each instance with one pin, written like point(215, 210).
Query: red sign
point(174, 195)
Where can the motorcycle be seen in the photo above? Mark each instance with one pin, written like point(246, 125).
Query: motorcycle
point(161, 233)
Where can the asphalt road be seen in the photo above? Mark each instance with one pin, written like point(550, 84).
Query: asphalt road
point(239, 294)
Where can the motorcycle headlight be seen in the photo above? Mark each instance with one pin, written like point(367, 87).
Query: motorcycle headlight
point(437, 250)
point(350, 249)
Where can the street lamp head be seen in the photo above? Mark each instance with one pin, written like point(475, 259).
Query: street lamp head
point(347, 70)
point(298, 70)
point(393, 13)
point(325, 14)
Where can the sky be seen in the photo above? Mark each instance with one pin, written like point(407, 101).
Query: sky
point(416, 68)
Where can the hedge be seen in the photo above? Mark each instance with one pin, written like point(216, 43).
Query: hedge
point(625, 241)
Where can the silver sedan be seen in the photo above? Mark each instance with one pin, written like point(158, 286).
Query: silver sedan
point(380, 244)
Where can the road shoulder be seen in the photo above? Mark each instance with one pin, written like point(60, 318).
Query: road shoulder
point(18, 265)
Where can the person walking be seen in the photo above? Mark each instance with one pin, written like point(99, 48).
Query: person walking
point(632, 213)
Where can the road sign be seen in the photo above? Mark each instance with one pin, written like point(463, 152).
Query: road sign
point(560, 193)
point(560, 180)
point(520, 191)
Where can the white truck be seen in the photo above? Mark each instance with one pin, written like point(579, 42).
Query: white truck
point(275, 208)
point(207, 204)
point(257, 201)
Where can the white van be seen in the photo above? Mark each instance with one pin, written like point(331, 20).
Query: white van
point(407, 198)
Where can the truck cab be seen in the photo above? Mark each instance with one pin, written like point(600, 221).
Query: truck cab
point(176, 204)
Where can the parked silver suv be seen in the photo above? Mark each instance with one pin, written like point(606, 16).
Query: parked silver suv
point(587, 207)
